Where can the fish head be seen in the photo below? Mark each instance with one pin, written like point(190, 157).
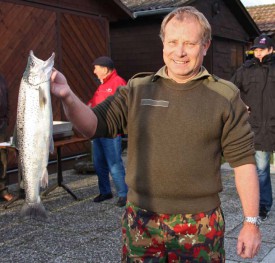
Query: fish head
point(38, 70)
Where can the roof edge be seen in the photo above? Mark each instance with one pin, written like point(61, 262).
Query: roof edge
point(124, 8)
point(153, 12)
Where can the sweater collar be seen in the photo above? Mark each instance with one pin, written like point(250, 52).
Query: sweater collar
point(202, 74)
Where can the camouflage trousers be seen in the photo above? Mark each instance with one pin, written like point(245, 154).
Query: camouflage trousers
point(159, 238)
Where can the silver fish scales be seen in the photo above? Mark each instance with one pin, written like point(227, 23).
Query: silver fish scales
point(33, 133)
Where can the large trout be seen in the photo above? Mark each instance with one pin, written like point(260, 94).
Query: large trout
point(33, 133)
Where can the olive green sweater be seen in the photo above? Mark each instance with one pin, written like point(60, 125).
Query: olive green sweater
point(177, 134)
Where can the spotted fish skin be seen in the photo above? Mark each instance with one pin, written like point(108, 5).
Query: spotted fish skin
point(33, 133)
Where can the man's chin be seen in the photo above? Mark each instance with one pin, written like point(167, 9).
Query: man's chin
point(184, 75)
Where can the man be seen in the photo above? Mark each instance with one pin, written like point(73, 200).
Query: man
point(106, 151)
point(174, 118)
point(256, 81)
point(4, 193)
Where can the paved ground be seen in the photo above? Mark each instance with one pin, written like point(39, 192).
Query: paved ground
point(83, 231)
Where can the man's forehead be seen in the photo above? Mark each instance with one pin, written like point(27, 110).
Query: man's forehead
point(178, 26)
point(183, 19)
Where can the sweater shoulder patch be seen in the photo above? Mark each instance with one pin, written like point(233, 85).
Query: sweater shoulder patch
point(223, 87)
point(142, 75)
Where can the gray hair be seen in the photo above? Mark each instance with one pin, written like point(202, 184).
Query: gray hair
point(188, 12)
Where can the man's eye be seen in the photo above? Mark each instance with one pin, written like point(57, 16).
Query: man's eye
point(189, 44)
point(172, 43)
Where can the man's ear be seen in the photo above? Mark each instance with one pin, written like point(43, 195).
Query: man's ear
point(106, 70)
point(205, 47)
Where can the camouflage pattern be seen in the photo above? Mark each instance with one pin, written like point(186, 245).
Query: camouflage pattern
point(150, 237)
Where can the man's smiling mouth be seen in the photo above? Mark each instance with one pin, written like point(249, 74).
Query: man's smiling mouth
point(180, 62)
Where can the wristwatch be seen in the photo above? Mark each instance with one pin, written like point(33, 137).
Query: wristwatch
point(254, 220)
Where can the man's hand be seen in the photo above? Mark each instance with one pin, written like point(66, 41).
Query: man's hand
point(80, 115)
point(59, 85)
point(249, 241)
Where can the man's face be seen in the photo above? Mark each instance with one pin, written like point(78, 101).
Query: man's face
point(100, 72)
point(260, 53)
point(183, 50)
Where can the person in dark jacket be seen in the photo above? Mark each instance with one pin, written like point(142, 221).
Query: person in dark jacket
point(4, 194)
point(256, 81)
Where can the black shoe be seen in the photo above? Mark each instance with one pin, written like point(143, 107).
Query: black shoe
point(102, 197)
point(121, 201)
point(264, 213)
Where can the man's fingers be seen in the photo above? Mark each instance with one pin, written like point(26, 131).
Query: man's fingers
point(240, 248)
point(247, 252)
point(54, 73)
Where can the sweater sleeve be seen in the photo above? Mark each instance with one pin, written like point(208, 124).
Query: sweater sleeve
point(112, 114)
point(237, 137)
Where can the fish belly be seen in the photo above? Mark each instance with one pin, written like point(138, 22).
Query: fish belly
point(34, 131)
point(34, 144)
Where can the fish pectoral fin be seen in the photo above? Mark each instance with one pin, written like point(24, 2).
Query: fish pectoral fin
point(42, 98)
point(51, 145)
point(44, 179)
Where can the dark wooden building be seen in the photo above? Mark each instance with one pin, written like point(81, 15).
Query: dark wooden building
point(77, 31)
point(136, 46)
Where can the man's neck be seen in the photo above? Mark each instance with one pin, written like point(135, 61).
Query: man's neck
point(188, 79)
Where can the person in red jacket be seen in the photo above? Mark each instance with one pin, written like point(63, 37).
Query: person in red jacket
point(107, 151)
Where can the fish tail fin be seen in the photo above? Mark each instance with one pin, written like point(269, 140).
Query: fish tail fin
point(35, 211)
point(45, 178)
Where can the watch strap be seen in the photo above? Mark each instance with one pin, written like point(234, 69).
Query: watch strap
point(254, 220)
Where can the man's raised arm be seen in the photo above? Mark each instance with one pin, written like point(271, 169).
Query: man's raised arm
point(79, 114)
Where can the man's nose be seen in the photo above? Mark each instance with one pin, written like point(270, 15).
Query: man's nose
point(181, 50)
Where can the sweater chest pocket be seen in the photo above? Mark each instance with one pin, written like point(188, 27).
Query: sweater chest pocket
point(154, 103)
point(152, 111)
